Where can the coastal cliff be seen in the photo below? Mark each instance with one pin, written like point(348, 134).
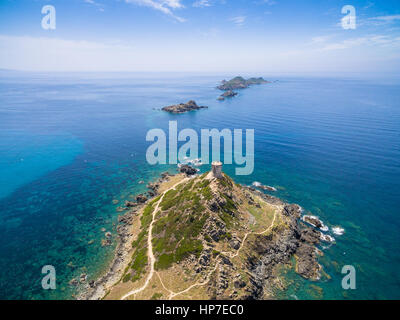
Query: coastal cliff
point(203, 237)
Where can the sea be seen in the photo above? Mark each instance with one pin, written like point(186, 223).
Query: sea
point(73, 149)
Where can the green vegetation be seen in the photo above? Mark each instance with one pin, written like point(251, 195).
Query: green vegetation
point(202, 184)
point(164, 261)
point(169, 200)
point(146, 217)
point(179, 224)
point(141, 236)
point(188, 247)
point(185, 248)
point(207, 193)
point(215, 253)
point(203, 175)
point(226, 236)
point(184, 214)
point(139, 261)
point(177, 231)
point(138, 265)
point(156, 296)
point(230, 205)
point(126, 277)
point(227, 218)
point(226, 182)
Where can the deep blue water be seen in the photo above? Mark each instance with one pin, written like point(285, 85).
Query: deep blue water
point(71, 144)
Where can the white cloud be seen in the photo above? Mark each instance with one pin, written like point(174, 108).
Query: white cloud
point(387, 18)
point(369, 5)
point(377, 21)
point(239, 20)
point(202, 3)
point(269, 2)
point(320, 39)
point(205, 54)
point(370, 40)
point(98, 5)
point(165, 6)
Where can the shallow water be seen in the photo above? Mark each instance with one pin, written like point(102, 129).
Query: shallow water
point(71, 144)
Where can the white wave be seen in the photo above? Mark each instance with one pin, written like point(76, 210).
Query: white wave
point(338, 230)
point(257, 184)
point(324, 228)
point(326, 237)
point(194, 162)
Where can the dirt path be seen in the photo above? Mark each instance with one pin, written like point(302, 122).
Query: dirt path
point(258, 233)
point(199, 284)
point(150, 245)
point(152, 258)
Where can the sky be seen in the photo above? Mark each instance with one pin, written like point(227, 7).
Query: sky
point(277, 36)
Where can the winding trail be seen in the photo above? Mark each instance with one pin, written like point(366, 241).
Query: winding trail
point(199, 284)
point(247, 234)
point(150, 245)
point(152, 258)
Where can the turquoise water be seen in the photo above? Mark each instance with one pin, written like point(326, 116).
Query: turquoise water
point(71, 144)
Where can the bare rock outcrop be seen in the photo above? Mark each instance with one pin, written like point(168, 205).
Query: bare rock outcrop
point(183, 107)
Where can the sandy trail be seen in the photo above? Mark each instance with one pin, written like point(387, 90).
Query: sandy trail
point(257, 233)
point(152, 259)
point(199, 284)
point(150, 245)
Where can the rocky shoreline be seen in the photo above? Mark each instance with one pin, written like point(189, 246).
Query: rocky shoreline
point(96, 290)
point(299, 240)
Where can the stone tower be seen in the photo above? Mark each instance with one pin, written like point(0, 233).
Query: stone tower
point(217, 169)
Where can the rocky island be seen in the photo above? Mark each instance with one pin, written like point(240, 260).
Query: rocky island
point(183, 107)
point(237, 83)
point(240, 83)
point(227, 94)
point(206, 237)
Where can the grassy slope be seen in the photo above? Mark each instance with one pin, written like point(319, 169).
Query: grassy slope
point(180, 234)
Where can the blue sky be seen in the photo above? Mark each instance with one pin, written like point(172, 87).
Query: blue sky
point(200, 35)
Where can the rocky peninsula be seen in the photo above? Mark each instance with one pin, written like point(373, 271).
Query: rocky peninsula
point(206, 237)
point(183, 107)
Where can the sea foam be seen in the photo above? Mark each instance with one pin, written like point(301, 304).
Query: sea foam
point(338, 231)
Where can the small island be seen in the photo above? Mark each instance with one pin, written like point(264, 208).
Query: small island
point(227, 94)
point(240, 83)
point(183, 107)
point(237, 83)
